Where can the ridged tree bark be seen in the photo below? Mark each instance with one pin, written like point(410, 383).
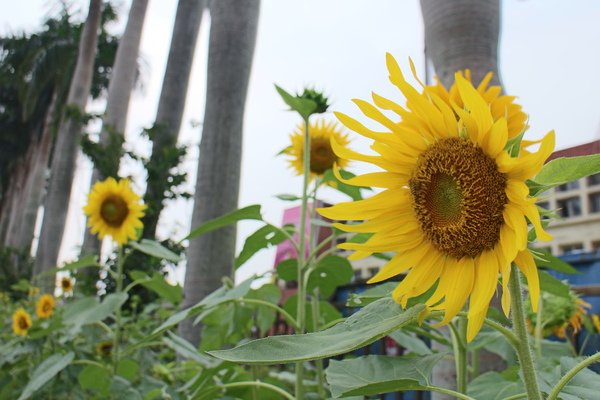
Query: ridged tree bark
point(462, 34)
point(121, 85)
point(65, 152)
point(231, 48)
point(171, 103)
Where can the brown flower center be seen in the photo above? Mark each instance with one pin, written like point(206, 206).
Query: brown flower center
point(23, 324)
point(459, 197)
point(322, 156)
point(114, 211)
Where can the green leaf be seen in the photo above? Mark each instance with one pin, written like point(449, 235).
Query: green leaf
point(158, 284)
point(251, 212)
point(128, 369)
point(155, 249)
point(83, 262)
point(264, 316)
point(304, 107)
point(288, 270)
point(329, 273)
point(584, 386)
point(288, 197)
point(410, 342)
point(547, 260)
point(372, 375)
point(188, 351)
point(494, 386)
point(513, 146)
point(219, 296)
point(327, 313)
point(372, 294)
point(94, 377)
point(550, 284)
point(567, 169)
point(362, 328)
point(88, 310)
point(354, 192)
point(44, 372)
point(263, 238)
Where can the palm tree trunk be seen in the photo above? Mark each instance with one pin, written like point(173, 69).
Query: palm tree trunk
point(120, 87)
point(231, 48)
point(462, 34)
point(171, 104)
point(65, 152)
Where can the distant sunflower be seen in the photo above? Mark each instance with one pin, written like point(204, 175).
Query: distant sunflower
point(114, 210)
point(45, 306)
point(455, 205)
point(103, 349)
point(21, 322)
point(322, 156)
point(560, 314)
point(66, 284)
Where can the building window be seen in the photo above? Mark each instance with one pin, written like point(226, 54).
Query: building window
point(596, 246)
point(593, 180)
point(568, 186)
point(572, 248)
point(570, 207)
point(546, 206)
point(594, 201)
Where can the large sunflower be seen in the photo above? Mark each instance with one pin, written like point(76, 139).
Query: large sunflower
point(115, 210)
point(45, 306)
point(322, 156)
point(21, 322)
point(455, 205)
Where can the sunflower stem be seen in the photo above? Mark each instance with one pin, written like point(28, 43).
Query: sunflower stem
point(523, 348)
point(118, 290)
point(301, 314)
point(461, 371)
point(539, 329)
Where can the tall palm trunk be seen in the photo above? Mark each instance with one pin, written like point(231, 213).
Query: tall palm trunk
point(462, 34)
point(171, 104)
point(31, 197)
point(65, 152)
point(120, 87)
point(231, 48)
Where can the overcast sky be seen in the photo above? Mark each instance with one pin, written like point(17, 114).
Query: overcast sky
point(549, 58)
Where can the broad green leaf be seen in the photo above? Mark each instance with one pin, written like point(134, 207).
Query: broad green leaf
point(121, 389)
point(547, 260)
point(83, 262)
point(372, 375)
point(372, 294)
point(159, 285)
point(88, 310)
point(327, 313)
point(550, 284)
point(494, 342)
point(96, 378)
point(155, 249)
point(304, 107)
point(410, 342)
point(251, 212)
point(188, 350)
point(265, 237)
point(567, 169)
point(288, 270)
point(288, 197)
point(45, 372)
point(362, 328)
point(494, 386)
point(219, 296)
point(128, 369)
point(584, 386)
point(264, 316)
point(330, 272)
point(354, 192)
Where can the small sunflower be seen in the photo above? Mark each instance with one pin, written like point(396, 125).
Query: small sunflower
point(114, 210)
point(103, 349)
point(66, 284)
point(45, 306)
point(21, 322)
point(455, 205)
point(322, 156)
point(596, 322)
point(560, 314)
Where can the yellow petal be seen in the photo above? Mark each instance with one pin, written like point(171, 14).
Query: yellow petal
point(486, 281)
point(526, 264)
point(457, 283)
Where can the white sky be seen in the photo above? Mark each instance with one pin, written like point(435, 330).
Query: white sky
point(548, 58)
